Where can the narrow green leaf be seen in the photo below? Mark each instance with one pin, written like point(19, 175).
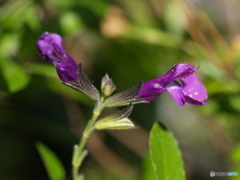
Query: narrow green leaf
point(52, 163)
point(165, 154)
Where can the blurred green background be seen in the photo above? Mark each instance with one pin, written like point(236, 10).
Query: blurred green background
point(131, 40)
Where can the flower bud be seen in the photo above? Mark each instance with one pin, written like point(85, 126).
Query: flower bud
point(107, 86)
point(50, 46)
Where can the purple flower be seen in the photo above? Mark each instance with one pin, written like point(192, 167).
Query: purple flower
point(189, 89)
point(50, 46)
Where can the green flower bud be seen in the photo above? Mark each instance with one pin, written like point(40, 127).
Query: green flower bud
point(107, 86)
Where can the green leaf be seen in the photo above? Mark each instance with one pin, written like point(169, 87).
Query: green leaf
point(31, 18)
point(98, 7)
point(175, 24)
point(154, 36)
point(14, 74)
point(52, 163)
point(147, 172)
point(3, 82)
point(16, 77)
point(235, 159)
point(46, 70)
point(71, 23)
point(165, 154)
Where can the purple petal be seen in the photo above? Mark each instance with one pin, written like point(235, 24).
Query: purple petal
point(50, 46)
point(194, 88)
point(151, 90)
point(195, 102)
point(156, 87)
point(180, 70)
point(176, 91)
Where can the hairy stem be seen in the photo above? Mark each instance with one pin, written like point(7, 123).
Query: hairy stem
point(79, 153)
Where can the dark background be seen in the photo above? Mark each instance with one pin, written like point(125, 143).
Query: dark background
point(131, 40)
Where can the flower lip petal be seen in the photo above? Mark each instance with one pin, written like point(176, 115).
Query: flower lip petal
point(176, 91)
point(194, 88)
point(194, 101)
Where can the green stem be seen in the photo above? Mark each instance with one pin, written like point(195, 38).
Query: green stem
point(79, 153)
